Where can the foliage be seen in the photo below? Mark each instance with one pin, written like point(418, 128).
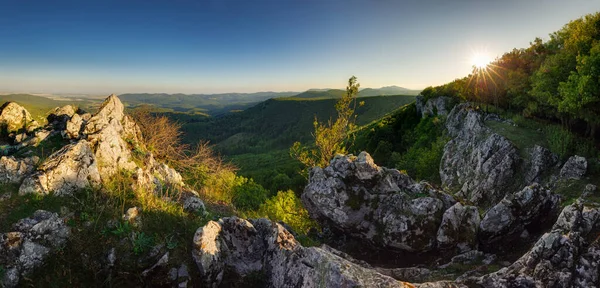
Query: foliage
point(560, 141)
point(248, 195)
point(423, 162)
point(557, 80)
point(141, 242)
point(330, 138)
point(287, 208)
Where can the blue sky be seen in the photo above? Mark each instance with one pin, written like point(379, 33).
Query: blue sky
point(100, 47)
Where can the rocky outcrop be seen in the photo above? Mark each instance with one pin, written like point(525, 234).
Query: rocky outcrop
point(516, 212)
point(107, 132)
point(459, 228)
point(435, 106)
point(480, 164)
point(376, 204)
point(542, 160)
point(241, 247)
point(13, 170)
point(59, 117)
point(13, 118)
point(66, 171)
point(574, 168)
point(26, 247)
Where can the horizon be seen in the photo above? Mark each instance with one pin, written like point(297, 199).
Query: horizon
point(217, 47)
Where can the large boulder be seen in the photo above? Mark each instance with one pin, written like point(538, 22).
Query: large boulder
point(59, 117)
point(13, 118)
point(14, 170)
point(530, 206)
point(480, 164)
point(109, 131)
point(241, 247)
point(31, 242)
point(574, 168)
point(375, 204)
point(65, 172)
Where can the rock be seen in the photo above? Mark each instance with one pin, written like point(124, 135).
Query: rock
point(14, 118)
point(73, 127)
point(375, 204)
point(241, 247)
point(13, 170)
point(541, 161)
point(31, 242)
point(411, 274)
point(435, 106)
point(163, 261)
point(478, 162)
point(515, 212)
point(108, 132)
point(66, 171)
point(193, 204)
point(59, 117)
point(157, 176)
point(111, 258)
point(459, 228)
point(133, 216)
point(574, 168)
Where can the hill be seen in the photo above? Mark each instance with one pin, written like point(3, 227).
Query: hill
point(210, 104)
point(40, 106)
point(367, 92)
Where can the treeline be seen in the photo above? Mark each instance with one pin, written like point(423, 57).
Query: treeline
point(557, 80)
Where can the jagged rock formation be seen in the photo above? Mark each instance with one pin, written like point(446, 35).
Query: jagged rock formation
point(68, 170)
point(29, 244)
point(435, 106)
point(379, 205)
point(13, 118)
point(59, 117)
point(516, 212)
point(243, 247)
point(459, 228)
point(479, 163)
point(542, 161)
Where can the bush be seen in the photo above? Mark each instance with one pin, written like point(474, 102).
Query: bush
point(248, 195)
point(422, 163)
point(560, 141)
point(287, 207)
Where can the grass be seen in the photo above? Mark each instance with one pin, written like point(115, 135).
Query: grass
point(80, 263)
point(522, 137)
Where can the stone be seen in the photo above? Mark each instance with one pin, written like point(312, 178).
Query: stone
point(65, 172)
point(163, 261)
point(33, 240)
point(244, 247)
point(14, 170)
point(133, 216)
point(381, 206)
point(459, 228)
point(108, 133)
point(541, 161)
point(59, 117)
point(514, 213)
point(14, 118)
point(574, 168)
point(193, 204)
point(435, 106)
point(73, 127)
point(481, 164)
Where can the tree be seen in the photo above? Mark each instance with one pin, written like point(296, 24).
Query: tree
point(330, 138)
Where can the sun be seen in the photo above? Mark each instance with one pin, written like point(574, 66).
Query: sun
point(480, 60)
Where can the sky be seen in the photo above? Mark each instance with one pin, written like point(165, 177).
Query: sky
point(217, 46)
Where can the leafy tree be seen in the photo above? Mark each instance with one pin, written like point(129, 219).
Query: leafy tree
point(330, 138)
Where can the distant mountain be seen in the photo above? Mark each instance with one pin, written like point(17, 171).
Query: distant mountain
point(367, 92)
point(212, 104)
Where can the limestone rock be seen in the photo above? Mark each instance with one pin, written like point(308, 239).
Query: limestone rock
point(108, 132)
point(435, 106)
point(13, 117)
point(574, 168)
point(478, 162)
point(32, 241)
point(194, 204)
point(243, 247)
point(59, 117)
point(541, 161)
point(515, 212)
point(376, 204)
point(459, 228)
point(66, 171)
point(73, 127)
point(13, 170)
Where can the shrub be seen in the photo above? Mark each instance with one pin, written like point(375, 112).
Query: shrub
point(422, 163)
point(560, 141)
point(248, 195)
point(286, 207)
